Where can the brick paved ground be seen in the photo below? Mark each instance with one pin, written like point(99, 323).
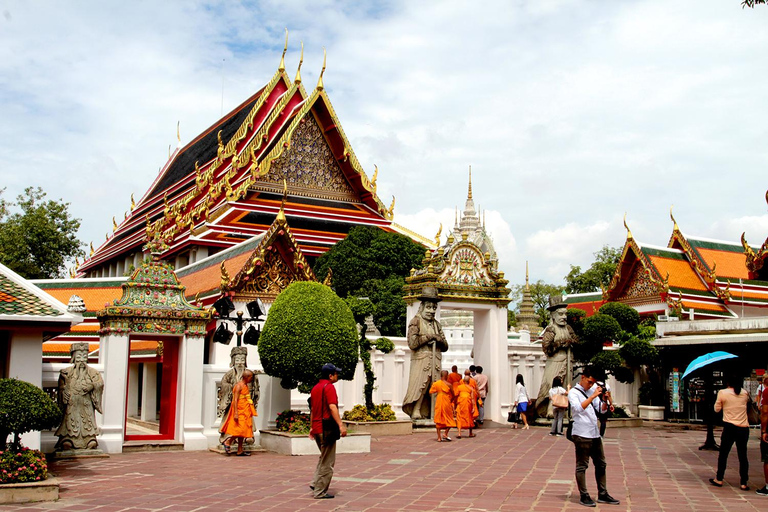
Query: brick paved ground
point(502, 469)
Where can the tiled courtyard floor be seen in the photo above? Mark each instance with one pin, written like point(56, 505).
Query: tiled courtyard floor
point(501, 469)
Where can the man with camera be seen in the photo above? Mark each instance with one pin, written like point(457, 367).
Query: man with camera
point(585, 402)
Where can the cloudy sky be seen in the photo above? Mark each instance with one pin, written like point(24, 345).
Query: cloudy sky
point(571, 113)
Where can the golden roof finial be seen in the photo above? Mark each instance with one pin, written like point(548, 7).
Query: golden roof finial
point(629, 233)
point(328, 278)
point(437, 236)
point(133, 203)
point(320, 78)
point(673, 219)
point(92, 251)
point(301, 61)
point(281, 213)
point(375, 176)
point(285, 49)
point(391, 210)
point(178, 132)
point(114, 224)
point(766, 196)
point(220, 150)
point(169, 151)
point(469, 196)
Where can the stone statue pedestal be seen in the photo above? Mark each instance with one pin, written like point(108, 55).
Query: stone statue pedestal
point(79, 454)
point(423, 423)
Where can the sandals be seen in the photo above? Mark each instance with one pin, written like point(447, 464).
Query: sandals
point(439, 440)
point(243, 454)
point(715, 483)
point(458, 437)
point(472, 435)
point(227, 449)
point(447, 439)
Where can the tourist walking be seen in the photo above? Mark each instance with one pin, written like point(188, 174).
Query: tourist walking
point(326, 428)
point(465, 406)
point(584, 400)
point(482, 392)
point(558, 396)
point(521, 401)
point(444, 413)
point(238, 425)
point(763, 491)
point(733, 402)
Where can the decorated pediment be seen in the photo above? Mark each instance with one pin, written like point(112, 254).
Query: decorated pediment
point(466, 266)
point(639, 285)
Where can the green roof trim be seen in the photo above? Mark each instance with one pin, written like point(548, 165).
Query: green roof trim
point(16, 300)
point(249, 245)
point(669, 254)
point(79, 284)
point(719, 246)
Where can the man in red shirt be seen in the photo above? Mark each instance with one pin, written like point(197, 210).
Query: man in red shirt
point(324, 408)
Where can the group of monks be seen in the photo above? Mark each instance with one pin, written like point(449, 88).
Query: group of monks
point(456, 404)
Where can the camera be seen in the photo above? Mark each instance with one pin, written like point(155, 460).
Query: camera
point(602, 386)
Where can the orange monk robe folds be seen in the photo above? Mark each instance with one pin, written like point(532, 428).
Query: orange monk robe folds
point(465, 405)
point(443, 404)
point(453, 380)
point(245, 412)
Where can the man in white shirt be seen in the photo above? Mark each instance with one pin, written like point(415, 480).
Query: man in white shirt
point(482, 392)
point(584, 400)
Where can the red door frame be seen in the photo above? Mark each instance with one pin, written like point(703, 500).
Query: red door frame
point(169, 394)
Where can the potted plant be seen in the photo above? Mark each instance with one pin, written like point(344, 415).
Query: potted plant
point(652, 397)
point(291, 437)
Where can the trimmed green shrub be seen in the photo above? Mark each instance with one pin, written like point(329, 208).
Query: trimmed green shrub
point(381, 412)
point(627, 316)
point(23, 408)
point(637, 352)
point(308, 325)
point(21, 466)
point(575, 318)
point(295, 422)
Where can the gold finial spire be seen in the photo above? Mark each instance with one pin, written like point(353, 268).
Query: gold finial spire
point(328, 278)
point(391, 210)
point(766, 196)
point(92, 251)
point(178, 132)
point(456, 216)
point(301, 61)
point(285, 49)
point(673, 218)
point(469, 196)
point(629, 233)
point(375, 176)
point(281, 213)
point(437, 236)
point(527, 286)
point(133, 203)
point(114, 224)
point(169, 151)
point(320, 78)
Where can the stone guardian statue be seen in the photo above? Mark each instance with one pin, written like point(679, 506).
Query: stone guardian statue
point(80, 392)
point(427, 343)
point(556, 341)
point(238, 357)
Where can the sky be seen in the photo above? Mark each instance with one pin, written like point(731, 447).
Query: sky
point(572, 113)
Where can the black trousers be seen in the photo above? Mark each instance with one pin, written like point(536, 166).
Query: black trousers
point(739, 435)
point(587, 448)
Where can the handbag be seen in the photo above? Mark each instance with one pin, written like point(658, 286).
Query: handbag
point(753, 412)
point(512, 416)
point(560, 401)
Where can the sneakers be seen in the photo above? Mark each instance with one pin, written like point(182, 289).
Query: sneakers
point(763, 491)
point(607, 498)
point(587, 501)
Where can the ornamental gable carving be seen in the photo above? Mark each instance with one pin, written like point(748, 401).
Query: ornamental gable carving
point(466, 267)
point(640, 285)
point(309, 166)
point(273, 277)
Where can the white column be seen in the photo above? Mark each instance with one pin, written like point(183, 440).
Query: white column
point(149, 393)
point(274, 399)
point(133, 390)
point(25, 363)
point(113, 354)
point(191, 387)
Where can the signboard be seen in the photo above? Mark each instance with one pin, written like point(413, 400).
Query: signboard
point(675, 404)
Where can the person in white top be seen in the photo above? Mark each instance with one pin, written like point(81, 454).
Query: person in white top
point(584, 400)
point(521, 401)
point(557, 390)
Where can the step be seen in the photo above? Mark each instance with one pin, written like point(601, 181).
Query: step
point(152, 446)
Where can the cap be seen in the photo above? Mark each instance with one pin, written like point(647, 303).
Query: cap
point(330, 368)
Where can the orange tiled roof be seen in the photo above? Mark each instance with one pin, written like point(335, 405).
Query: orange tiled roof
point(729, 264)
point(681, 275)
point(16, 300)
point(209, 278)
point(94, 298)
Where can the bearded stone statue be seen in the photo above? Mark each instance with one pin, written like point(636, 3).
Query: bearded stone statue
point(238, 357)
point(556, 340)
point(80, 392)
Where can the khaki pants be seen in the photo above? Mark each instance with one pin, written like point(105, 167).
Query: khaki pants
point(324, 470)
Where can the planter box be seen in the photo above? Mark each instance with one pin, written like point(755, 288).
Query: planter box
point(651, 412)
point(381, 428)
point(300, 444)
point(28, 492)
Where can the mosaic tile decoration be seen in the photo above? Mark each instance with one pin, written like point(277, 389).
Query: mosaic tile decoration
point(15, 300)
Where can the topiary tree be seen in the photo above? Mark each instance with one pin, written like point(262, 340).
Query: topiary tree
point(23, 408)
point(597, 330)
point(308, 325)
point(627, 316)
point(361, 309)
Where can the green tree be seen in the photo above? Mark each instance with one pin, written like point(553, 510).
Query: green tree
point(540, 293)
point(628, 317)
point(596, 276)
point(308, 325)
point(752, 3)
point(373, 263)
point(24, 407)
point(37, 241)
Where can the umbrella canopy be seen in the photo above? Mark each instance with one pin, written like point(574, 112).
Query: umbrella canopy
point(706, 359)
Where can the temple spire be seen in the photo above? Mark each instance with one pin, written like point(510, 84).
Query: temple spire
point(469, 195)
point(285, 49)
point(629, 233)
point(320, 79)
point(527, 286)
point(301, 61)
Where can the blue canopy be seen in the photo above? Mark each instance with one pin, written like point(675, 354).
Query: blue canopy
point(706, 359)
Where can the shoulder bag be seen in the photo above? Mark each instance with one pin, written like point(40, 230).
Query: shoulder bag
point(753, 412)
point(560, 400)
point(569, 430)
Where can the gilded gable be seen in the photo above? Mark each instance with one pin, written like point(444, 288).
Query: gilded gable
point(640, 286)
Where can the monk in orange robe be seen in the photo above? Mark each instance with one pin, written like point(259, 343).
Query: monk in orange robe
point(465, 405)
point(239, 421)
point(476, 394)
point(454, 377)
point(443, 406)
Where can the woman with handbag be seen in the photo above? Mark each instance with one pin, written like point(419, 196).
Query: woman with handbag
point(521, 401)
point(558, 395)
point(733, 402)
